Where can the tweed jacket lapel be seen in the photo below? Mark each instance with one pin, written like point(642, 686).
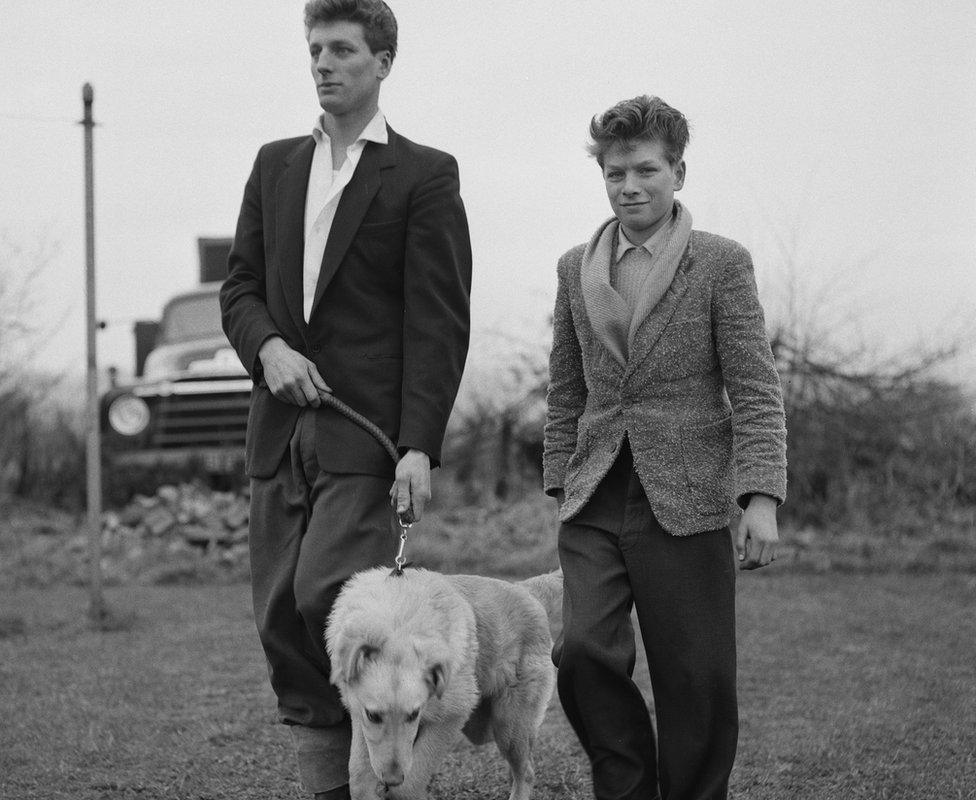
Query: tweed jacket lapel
point(290, 194)
point(355, 200)
point(664, 266)
point(607, 311)
point(651, 327)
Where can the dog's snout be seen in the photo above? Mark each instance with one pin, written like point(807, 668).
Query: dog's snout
point(393, 775)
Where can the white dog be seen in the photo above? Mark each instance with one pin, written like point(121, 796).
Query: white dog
point(421, 657)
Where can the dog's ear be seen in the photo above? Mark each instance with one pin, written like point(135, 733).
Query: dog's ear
point(437, 675)
point(351, 661)
point(358, 660)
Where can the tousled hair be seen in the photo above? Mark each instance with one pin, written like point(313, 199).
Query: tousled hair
point(640, 119)
point(377, 20)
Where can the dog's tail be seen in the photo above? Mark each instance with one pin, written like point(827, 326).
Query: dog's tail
point(548, 590)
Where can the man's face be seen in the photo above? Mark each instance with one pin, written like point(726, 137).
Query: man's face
point(347, 75)
point(641, 185)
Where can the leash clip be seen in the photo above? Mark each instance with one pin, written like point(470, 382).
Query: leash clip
point(405, 520)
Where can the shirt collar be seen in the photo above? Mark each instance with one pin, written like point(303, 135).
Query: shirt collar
point(375, 131)
point(650, 244)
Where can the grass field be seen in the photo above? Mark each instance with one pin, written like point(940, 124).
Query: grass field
point(852, 686)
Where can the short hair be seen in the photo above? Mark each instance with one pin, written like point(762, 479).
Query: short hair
point(379, 24)
point(640, 119)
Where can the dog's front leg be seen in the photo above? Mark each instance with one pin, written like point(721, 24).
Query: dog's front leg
point(433, 742)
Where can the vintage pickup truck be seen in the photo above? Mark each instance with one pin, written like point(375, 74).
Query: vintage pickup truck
point(188, 404)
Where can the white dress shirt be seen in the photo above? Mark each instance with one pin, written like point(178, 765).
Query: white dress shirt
point(325, 185)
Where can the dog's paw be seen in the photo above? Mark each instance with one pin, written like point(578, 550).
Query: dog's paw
point(382, 790)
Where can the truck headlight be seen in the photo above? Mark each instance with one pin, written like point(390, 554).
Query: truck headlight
point(128, 415)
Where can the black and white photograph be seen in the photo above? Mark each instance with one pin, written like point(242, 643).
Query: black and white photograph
point(429, 400)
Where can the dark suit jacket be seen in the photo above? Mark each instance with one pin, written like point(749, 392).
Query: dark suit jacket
point(390, 322)
point(698, 398)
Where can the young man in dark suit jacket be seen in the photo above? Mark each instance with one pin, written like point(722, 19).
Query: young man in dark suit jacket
point(350, 274)
point(665, 410)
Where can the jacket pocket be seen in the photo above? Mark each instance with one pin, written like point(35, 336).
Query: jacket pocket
point(578, 458)
point(381, 228)
point(706, 451)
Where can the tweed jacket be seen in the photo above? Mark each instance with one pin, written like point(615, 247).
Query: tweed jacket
point(698, 397)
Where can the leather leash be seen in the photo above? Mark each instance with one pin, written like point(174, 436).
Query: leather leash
point(406, 519)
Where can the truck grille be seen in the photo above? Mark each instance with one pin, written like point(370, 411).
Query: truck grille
point(207, 419)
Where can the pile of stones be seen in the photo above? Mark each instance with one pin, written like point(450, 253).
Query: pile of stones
point(180, 534)
point(186, 533)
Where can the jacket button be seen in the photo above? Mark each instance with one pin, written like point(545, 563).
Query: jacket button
point(315, 350)
point(627, 402)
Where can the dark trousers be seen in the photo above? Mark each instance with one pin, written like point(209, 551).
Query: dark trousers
point(615, 556)
point(309, 532)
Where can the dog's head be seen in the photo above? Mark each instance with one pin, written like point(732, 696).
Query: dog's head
point(391, 662)
point(353, 661)
point(387, 687)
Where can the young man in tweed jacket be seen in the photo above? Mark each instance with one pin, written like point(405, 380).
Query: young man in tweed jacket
point(665, 411)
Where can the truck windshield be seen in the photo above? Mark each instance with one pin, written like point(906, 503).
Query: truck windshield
point(190, 318)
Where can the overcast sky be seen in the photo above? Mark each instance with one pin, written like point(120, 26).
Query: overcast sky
point(844, 128)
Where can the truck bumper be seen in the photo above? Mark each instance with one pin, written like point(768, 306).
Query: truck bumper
point(214, 460)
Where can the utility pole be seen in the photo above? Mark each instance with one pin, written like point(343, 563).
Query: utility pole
point(96, 598)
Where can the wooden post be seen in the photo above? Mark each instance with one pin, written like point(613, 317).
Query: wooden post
point(96, 598)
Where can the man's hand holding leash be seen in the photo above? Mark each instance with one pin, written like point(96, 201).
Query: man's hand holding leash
point(411, 487)
point(295, 379)
point(290, 376)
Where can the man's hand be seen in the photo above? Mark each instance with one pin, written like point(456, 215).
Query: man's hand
point(758, 535)
point(411, 488)
point(291, 377)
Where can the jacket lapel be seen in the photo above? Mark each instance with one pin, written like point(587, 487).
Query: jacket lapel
point(653, 325)
point(607, 311)
point(291, 190)
point(353, 204)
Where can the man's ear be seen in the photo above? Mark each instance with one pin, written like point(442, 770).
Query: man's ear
point(386, 63)
point(437, 675)
point(679, 175)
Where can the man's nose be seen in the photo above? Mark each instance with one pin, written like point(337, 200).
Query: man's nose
point(630, 186)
